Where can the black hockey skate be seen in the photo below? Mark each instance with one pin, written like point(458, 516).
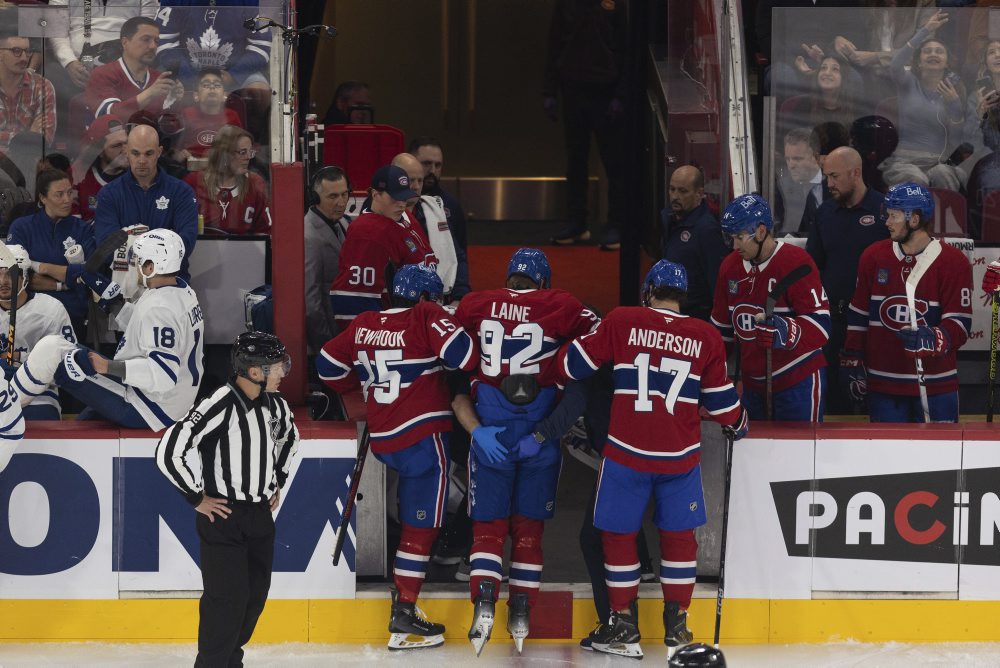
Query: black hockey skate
point(517, 619)
point(482, 616)
point(620, 635)
point(676, 633)
point(409, 629)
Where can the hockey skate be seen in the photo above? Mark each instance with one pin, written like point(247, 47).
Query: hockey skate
point(676, 633)
point(410, 629)
point(517, 619)
point(620, 635)
point(482, 616)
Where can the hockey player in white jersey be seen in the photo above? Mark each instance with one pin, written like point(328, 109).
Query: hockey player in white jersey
point(11, 415)
point(153, 379)
point(38, 315)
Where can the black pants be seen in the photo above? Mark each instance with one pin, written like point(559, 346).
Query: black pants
point(236, 557)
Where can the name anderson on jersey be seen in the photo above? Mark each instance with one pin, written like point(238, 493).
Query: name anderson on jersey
point(650, 338)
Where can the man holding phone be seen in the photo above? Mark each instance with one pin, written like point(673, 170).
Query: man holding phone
point(130, 83)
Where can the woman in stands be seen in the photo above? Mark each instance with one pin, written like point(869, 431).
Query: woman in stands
point(830, 100)
point(982, 130)
point(931, 102)
point(231, 198)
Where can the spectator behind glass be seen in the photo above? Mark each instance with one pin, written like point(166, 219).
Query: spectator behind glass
point(101, 161)
point(985, 176)
point(231, 198)
point(130, 84)
point(830, 100)
point(204, 118)
point(351, 104)
point(56, 161)
point(930, 98)
point(325, 229)
point(27, 100)
point(983, 105)
point(797, 183)
point(58, 244)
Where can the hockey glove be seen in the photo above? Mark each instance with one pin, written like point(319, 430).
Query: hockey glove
point(740, 428)
point(77, 364)
point(484, 440)
point(853, 376)
point(107, 290)
point(925, 341)
point(778, 332)
point(527, 447)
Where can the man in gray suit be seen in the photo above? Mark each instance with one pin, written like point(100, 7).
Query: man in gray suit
point(325, 229)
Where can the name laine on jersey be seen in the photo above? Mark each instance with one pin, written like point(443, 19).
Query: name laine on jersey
point(379, 338)
point(651, 338)
point(507, 311)
point(195, 316)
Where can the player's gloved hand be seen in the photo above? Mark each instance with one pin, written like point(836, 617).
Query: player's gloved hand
point(527, 447)
point(739, 429)
point(78, 365)
point(924, 341)
point(484, 440)
point(107, 290)
point(74, 254)
point(853, 376)
point(778, 332)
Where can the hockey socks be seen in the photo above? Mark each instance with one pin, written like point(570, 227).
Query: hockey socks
point(678, 565)
point(486, 558)
point(621, 568)
point(410, 565)
point(526, 557)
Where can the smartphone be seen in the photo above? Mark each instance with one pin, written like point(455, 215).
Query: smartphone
point(952, 78)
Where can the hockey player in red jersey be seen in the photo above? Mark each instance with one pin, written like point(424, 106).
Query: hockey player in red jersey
point(796, 332)
point(400, 356)
point(513, 469)
point(665, 365)
point(882, 348)
point(379, 241)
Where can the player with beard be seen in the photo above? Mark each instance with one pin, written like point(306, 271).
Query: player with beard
point(846, 224)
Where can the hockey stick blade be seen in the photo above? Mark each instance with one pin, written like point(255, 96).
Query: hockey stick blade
point(101, 257)
point(781, 287)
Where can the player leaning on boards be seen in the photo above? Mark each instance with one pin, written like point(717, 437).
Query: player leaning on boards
point(230, 457)
point(400, 356)
point(932, 329)
point(153, 379)
point(665, 366)
point(796, 332)
point(513, 468)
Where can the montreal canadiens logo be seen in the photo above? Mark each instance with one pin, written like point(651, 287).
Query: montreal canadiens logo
point(894, 313)
point(867, 220)
point(745, 320)
point(685, 236)
point(206, 137)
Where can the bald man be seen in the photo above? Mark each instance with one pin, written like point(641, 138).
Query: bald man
point(846, 224)
point(146, 195)
point(691, 237)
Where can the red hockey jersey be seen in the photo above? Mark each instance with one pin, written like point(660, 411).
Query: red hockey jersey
point(520, 331)
point(665, 363)
point(200, 129)
point(879, 309)
point(112, 89)
point(740, 293)
point(373, 245)
point(224, 211)
point(87, 189)
point(399, 357)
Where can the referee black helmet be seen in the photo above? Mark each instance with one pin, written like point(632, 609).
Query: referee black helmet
point(258, 349)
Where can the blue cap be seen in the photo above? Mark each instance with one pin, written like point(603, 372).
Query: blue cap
point(393, 180)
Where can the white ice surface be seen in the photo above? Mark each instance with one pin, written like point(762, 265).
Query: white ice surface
point(502, 653)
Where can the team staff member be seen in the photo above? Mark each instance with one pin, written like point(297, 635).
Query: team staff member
point(230, 457)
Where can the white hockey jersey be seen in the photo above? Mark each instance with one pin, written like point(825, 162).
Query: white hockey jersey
point(162, 349)
point(39, 316)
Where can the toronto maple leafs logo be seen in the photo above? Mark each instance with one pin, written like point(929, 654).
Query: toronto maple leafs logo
point(209, 50)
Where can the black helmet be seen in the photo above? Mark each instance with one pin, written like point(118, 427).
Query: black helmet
point(258, 349)
point(874, 137)
point(698, 655)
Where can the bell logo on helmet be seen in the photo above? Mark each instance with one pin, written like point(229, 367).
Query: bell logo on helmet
point(913, 191)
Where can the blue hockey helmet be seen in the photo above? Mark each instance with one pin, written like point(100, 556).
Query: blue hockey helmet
point(666, 274)
point(909, 197)
point(745, 213)
point(413, 280)
point(532, 263)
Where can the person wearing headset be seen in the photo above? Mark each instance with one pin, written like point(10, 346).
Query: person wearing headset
point(325, 228)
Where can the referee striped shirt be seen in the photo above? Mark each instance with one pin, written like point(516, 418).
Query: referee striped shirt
point(229, 446)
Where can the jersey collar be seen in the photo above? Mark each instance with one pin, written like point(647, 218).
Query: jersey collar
point(748, 266)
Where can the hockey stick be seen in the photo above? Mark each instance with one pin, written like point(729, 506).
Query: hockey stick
point(14, 271)
point(101, 256)
point(352, 493)
point(924, 261)
point(779, 289)
point(725, 529)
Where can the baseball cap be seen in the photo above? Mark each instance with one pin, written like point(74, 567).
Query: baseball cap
point(394, 181)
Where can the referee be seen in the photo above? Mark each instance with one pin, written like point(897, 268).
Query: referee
point(229, 457)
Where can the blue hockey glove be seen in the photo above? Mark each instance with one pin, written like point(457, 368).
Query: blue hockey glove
point(777, 332)
point(527, 447)
point(102, 286)
point(740, 428)
point(853, 377)
point(484, 440)
point(925, 341)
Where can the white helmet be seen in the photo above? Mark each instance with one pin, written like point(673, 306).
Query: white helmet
point(21, 257)
point(163, 248)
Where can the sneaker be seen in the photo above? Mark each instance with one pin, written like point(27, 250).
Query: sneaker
point(571, 235)
point(611, 240)
point(448, 552)
point(462, 573)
